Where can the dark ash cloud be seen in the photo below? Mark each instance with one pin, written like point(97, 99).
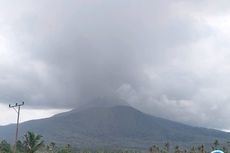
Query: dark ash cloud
point(160, 56)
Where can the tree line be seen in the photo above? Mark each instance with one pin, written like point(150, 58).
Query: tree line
point(33, 143)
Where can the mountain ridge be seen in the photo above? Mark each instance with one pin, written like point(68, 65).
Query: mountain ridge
point(116, 126)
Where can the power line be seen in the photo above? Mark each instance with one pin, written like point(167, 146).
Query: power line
point(16, 107)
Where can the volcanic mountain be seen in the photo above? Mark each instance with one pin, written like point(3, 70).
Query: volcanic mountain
point(113, 127)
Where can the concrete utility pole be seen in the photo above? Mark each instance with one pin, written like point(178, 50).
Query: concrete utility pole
point(18, 112)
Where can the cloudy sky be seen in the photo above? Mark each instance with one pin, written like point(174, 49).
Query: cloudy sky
point(169, 58)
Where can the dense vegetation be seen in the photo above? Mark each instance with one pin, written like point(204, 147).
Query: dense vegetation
point(33, 143)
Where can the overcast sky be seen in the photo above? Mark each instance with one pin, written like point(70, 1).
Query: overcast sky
point(169, 58)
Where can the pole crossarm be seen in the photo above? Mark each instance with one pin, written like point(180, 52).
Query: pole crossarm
point(16, 105)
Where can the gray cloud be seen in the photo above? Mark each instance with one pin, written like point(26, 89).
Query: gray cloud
point(160, 56)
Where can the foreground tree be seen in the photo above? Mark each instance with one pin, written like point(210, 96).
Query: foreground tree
point(32, 142)
point(66, 149)
point(5, 147)
point(154, 149)
point(51, 147)
point(20, 147)
point(166, 148)
point(215, 145)
point(201, 149)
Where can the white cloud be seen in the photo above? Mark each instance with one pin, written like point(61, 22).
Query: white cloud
point(9, 115)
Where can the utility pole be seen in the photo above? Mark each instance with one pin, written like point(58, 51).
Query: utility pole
point(17, 110)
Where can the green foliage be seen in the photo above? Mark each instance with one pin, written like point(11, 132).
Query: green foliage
point(192, 150)
point(51, 147)
point(215, 145)
point(20, 147)
point(154, 149)
point(32, 142)
point(178, 150)
point(66, 149)
point(5, 147)
point(201, 149)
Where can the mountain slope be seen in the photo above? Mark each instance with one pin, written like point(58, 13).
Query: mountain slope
point(116, 126)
